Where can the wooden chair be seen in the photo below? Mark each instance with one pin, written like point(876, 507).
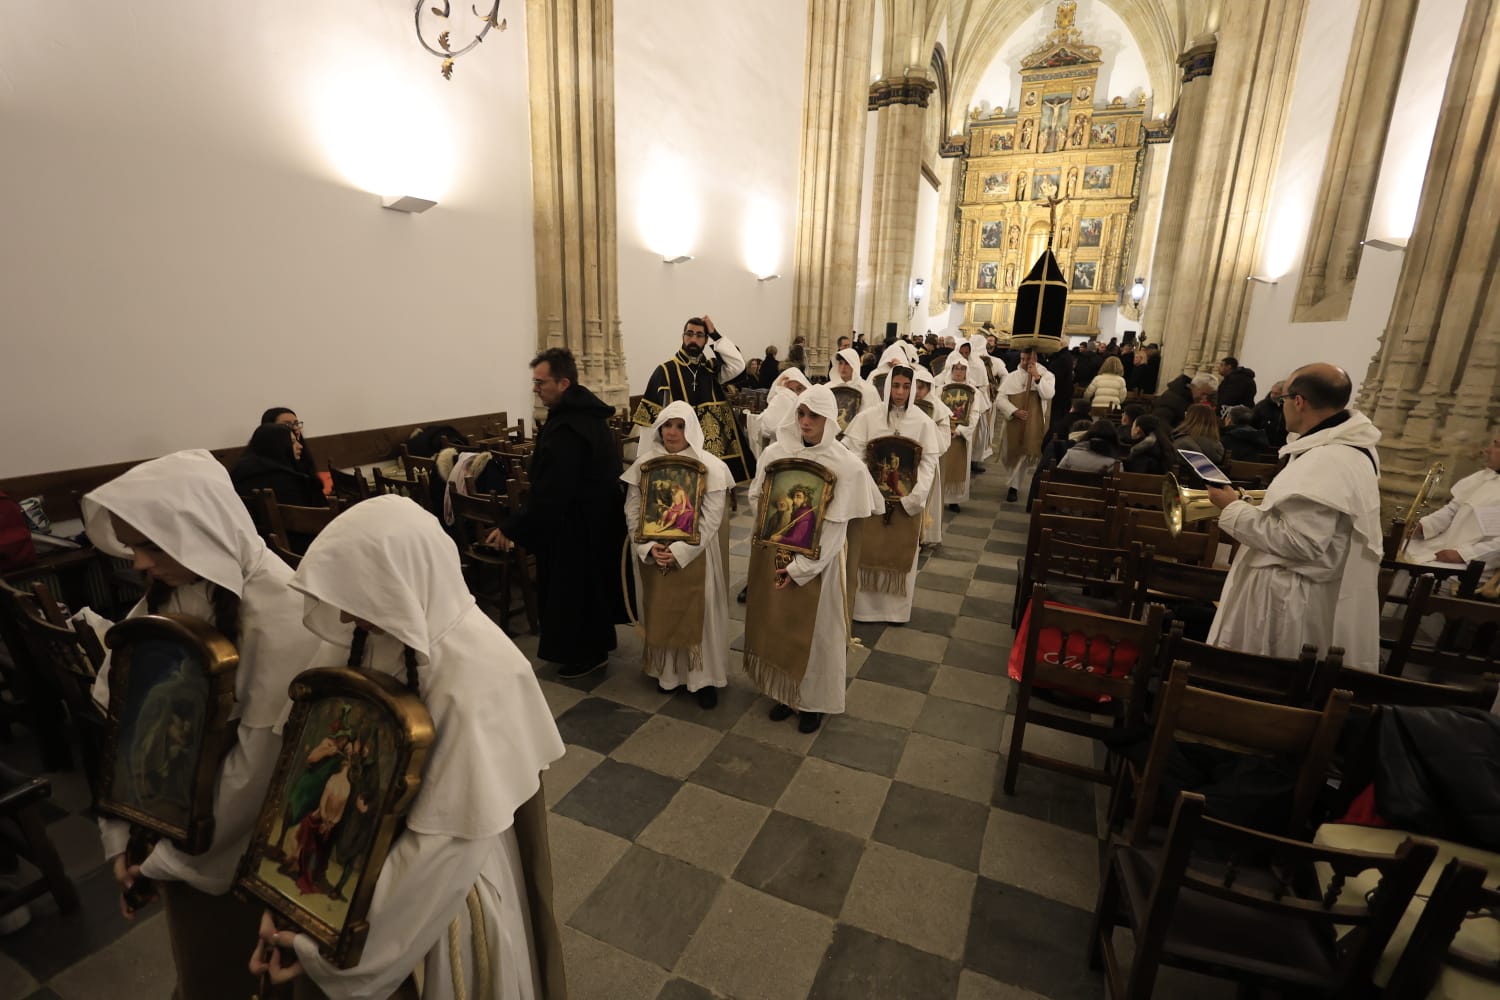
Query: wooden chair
point(1195, 548)
point(1132, 500)
point(1443, 946)
point(21, 798)
point(289, 528)
point(417, 486)
point(412, 463)
point(1467, 644)
point(1139, 482)
point(1175, 584)
point(1369, 690)
point(1192, 714)
point(350, 487)
point(1054, 476)
point(1084, 530)
point(1304, 682)
point(1263, 925)
point(1108, 574)
point(1072, 501)
point(1251, 475)
point(476, 516)
point(1105, 641)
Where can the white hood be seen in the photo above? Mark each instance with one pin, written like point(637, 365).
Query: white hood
point(856, 495)
point(719, 477)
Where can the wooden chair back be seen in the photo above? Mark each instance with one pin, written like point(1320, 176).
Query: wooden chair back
point(1056, 477)
point(1188, 713)
point(417, 486)
point(285, 523)
point(1253, 475)
point(1113, 574)
point(1083, 530)
point(411, 463)
point(1131, 500)
point(1139, 482)
point(1073, 501)
point(1435, 945)
point(1305, 681)
point(1370, 689)
point(1196, 548)
point(1467, 642)
point(1176, 582)
point(351, 487)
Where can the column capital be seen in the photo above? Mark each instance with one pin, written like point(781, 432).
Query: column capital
point(900, 90)
point(1198, 61)
point(953, 146)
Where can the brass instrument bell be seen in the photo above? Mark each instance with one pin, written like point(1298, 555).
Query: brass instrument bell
point(1182, 506)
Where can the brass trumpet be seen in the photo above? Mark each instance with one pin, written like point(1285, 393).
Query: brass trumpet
point(1418, 506)
point(1182, 506)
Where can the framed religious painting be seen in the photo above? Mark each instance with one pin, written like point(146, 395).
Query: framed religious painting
point(1085, 275)
point(959, 397)
point(1104, 133)
point(848, 399)
point(672, 489)
point(794, 495)
point(988, 274)
point(171, 691)
point(1090, 232)
point(893, 461)
point(350, 766)
point(1046, 184)
point(1098, 178)
point(997, 184)
point(878, 380)
point(991, 235)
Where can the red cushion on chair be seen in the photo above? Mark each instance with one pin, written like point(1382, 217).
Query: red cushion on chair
point(1090, 654)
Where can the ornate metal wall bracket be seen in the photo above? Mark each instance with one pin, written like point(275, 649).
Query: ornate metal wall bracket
point(444, 49)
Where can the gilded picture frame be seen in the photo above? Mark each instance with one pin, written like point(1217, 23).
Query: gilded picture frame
point(672, 488)
point(794, 495)
point(892, 461)
point(849, 400)
point(171, 693)
point(959, 398)
point(350, 767)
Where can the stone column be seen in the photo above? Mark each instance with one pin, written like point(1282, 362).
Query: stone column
point(833, 157)
point(1381, 37)
point(1220, 241)
point(901, 103)
point(1433, 386)
point(570, 57)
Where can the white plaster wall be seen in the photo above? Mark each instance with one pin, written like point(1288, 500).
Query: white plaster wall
point(1123, 73)
point(1273, 345)
point(190, 236)
point(708, 131)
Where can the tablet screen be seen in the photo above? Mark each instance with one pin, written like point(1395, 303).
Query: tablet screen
point(1207, 470)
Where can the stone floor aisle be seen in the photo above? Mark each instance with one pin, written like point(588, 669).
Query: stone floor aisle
point(717, 854)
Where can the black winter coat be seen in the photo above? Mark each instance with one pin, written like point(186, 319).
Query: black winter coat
point(1237, 389)
point(1173, 402)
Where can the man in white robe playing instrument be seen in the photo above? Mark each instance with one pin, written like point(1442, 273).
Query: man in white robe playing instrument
point(1457, 533)
point(1024, 402)
point(1309, 562)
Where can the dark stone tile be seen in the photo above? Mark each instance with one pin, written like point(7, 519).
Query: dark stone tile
point(996, 570)
point(681, 989)
point(961, 722)
point(734, 702)
point(932, 621)
point(43, 994)
point(860, 743)
point(675, 894)
point(977, 656)
point(748, 769)
point(600, 724)
point(53, 941)
point(902, 671)
point(1031, 941)
point(869, 633)
point(585, 683)
point(1001, 546)
point(958, 553)
point(985, 609)
point(864, 966)
point(969, 530)
point(619, 798)
point(802, 863)
point(933, 824)
point(946, 584)
point(1049, 796)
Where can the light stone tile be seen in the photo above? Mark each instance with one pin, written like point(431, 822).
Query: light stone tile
point(978, 630)
point(753, 946)
point(668, 746)
point(138, 964)
point(558, 780)
point(757, 725)
point(1041, 857)
point(634, 688)
point(942, 766)
point(986, 690)
point(992, 591)
point(973, 986)
point(858, 654)
point(705, 828)
point(835, 796)
point(913, 900)
point(581, 856)
point(596, 969)
point(560, 698)
point(936, 600)
point(910, 642)
point(15, 981)
point(1051, 742)
point(948, 567)
point(953, 540)
point(883, 703)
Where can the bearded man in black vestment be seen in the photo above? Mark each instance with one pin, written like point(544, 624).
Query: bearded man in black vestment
point(696, 375)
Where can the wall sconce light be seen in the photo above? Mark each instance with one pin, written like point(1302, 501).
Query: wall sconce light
point(767, 277)
point(1261, 279)
point(918, 291)
point(406, 203)
point(1395, 243)
point(679, 259)
point(444, 49)
point(1138, 291)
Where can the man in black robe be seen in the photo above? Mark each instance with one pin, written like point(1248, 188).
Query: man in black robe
point(573, 520)
point(696, 375)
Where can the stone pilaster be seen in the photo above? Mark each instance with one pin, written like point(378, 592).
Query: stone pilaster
point(1240, 146)
point(901, 104)
point(1433, 387)
point(570, 58)
point(833, 155)
point(1382, 34)
point(951, 173)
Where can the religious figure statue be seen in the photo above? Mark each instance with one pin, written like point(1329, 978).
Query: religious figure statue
point(1015, 236)
point(1020, 185)
point(1026, 132)
point(1072, 181)
point(1076, 137)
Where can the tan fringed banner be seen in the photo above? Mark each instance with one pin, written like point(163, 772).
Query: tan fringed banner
point(955, 466)
point(673, 616)
point(887, 548)
point(778, 628)
point(1023, 438)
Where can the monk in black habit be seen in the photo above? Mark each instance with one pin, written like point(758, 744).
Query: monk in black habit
point(573, 520)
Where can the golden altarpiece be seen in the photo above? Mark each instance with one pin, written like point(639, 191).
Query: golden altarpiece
point(1057, 144)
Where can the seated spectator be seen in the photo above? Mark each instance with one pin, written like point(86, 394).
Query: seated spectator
point(308, 464)
point(1150, 451)
point(1128, 416)
point(1108, 387)
point(1199, 431)
point(1243, 441)
point(769, 367)
point(1182, 392)
point(271, 461)
point(1096, 452)
point(1236, 384)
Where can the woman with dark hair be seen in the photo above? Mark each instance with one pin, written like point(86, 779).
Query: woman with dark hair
point(1151, 453)
point(308, 464)
point(272, 461)
point(1096, 452)
point(1199, 431)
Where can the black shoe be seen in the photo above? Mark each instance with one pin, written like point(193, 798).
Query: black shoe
point(780, 712)
point(743, 591)
point(953, 508)
point(975, 468)
point(575, 670)
point(808, 722)
point(708, 697)
point(1010, 496)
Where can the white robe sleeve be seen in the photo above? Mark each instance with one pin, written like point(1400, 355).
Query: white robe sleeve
point(1298, 529)
point(633, 521)
point(1046, 385)
point(915, 502)
point(1002, 401)
point(1486, 550)
point(1438, 521)
point(710, 516)
point(803, 569)
point(422, 888)
point(733, 362)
